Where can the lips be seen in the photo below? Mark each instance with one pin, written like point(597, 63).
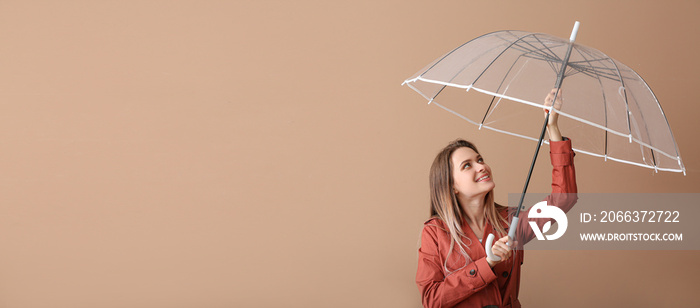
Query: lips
point(484, 177)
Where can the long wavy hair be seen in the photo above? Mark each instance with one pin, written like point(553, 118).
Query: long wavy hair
point(445, 206)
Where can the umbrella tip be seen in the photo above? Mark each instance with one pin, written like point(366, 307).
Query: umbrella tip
point(572, 38)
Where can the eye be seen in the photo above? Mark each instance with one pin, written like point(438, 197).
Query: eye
point(466, 165)
point(481, 160)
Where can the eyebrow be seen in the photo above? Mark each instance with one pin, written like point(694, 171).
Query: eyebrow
point(469, 159)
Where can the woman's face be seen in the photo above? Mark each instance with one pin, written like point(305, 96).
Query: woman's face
point(472, 176)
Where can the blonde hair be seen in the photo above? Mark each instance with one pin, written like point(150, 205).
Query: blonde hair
point(445, 206)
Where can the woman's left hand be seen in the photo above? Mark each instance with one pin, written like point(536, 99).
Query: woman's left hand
point(502, 249)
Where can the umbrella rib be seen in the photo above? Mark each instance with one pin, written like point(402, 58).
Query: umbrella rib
point(533, 54)
point(574, 118)
point(463, 68)
point(540, 51)
point(626, 161)
point(551, 58)
point(493, 98)
point(499, 55)
point(447, 55)
point(641, 113)
point(575, 69)
point(533, 48)
point(596, 69)
point(593, 73)
point(677, 158)
point(550, 61)
point(605, 103)
point(678, 155)
point(617, 69)
point(586, 152)
point(531, 138)
point(624, 90)
point(582, 151)
point(589, 60)
point(570, 71)
point(553, 54)
point(499, 88)
point(552, 64)
point(593, 68)
point(614, 71)
point(553, 67)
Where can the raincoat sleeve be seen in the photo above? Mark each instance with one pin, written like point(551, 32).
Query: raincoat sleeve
point(440, 291)
point(564, 191)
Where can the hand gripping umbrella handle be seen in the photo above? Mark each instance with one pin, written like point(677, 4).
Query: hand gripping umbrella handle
point(491, 237)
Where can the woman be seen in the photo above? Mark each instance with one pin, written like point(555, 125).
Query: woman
point(453, 269)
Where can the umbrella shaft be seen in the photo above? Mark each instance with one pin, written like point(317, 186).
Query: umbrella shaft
point(557, 86)
point(560, 78)
point(532, 165)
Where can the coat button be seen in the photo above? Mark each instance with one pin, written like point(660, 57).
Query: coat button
point(472, 272)
point(505, 275)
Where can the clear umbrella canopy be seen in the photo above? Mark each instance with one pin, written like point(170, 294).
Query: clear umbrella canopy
point(608, 109)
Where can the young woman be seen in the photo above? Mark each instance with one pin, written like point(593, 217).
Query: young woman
point(453, 269)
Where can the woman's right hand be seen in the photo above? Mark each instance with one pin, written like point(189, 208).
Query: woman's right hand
point(501, 249)
point(553, 122)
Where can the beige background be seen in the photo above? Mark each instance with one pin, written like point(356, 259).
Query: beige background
point(263, 153)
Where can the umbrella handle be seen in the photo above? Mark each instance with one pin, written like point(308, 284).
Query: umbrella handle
point(491, 237)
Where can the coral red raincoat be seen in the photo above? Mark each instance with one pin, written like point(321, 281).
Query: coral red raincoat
point(477, 284)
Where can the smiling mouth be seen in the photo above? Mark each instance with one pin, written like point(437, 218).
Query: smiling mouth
point(484, 178)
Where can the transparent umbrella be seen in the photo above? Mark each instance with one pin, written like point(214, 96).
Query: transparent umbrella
point(608, 108)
